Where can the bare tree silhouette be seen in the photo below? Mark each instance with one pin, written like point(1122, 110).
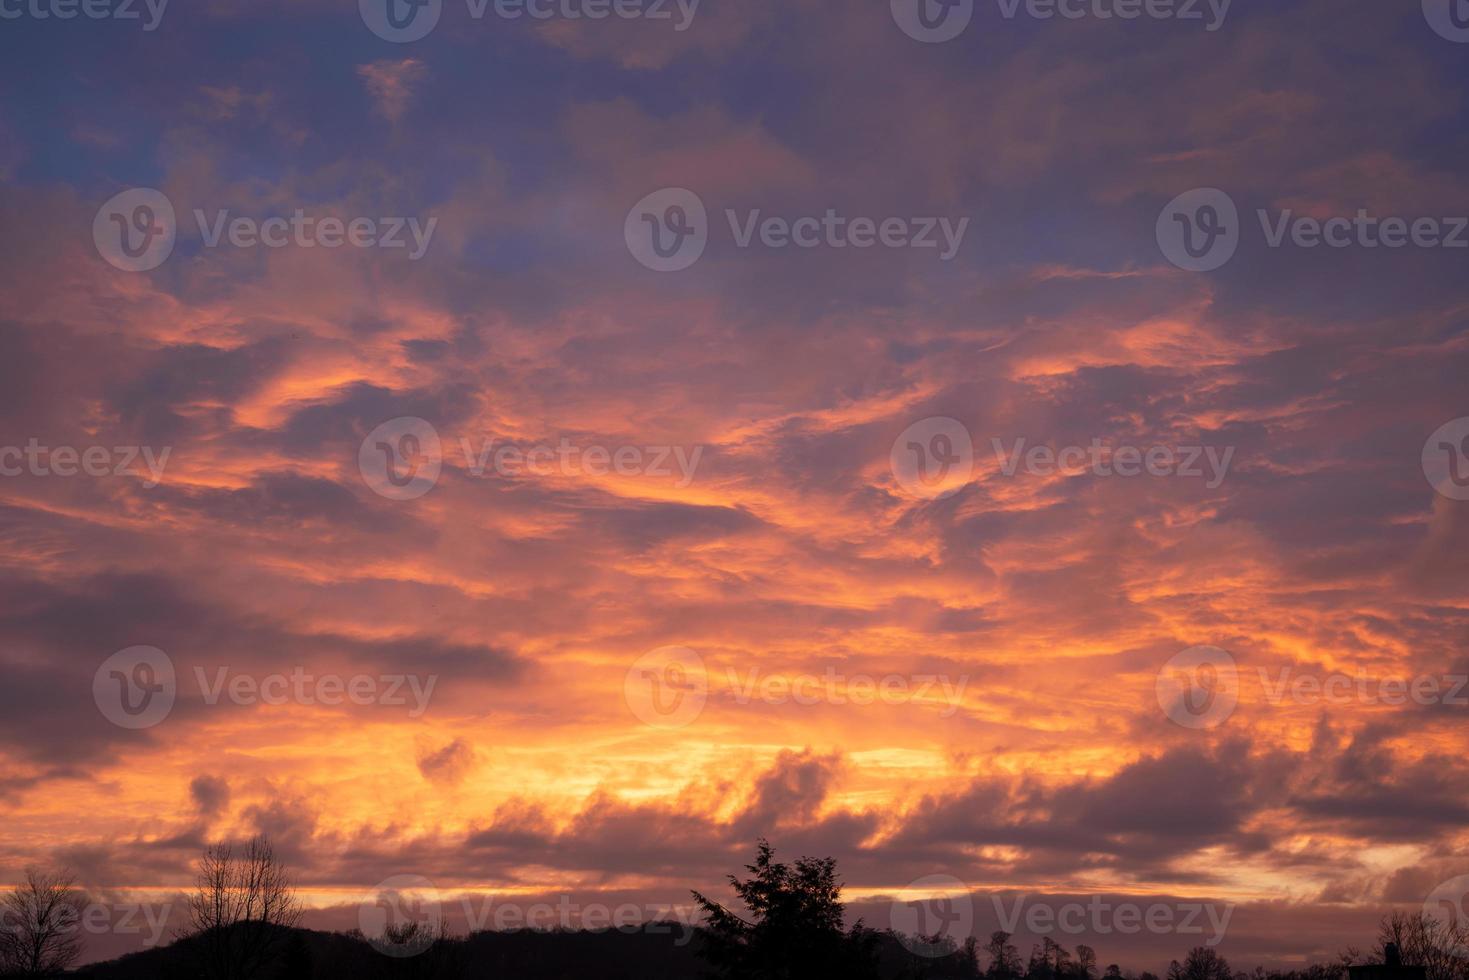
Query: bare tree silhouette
point(1202, 963)
point(433, 953)
point(1440, 946)
point(1049, 961)
point(1086, 963)
point(242, 910)
point(39, 925)
point(1004, 958)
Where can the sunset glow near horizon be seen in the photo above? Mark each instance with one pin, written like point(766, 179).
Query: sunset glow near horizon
point(530, 569)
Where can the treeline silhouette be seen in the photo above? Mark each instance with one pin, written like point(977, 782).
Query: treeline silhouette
point(787, 922)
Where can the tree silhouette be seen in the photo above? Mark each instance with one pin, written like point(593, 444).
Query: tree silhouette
point(1086, 963)
point(242, 910)
point(1202, 963)
point(1004, 958)
point(1436, 944)
point(1049, 961)
point(1038, 967)
point(793, 926)
point(38, 925)
point(421, 952)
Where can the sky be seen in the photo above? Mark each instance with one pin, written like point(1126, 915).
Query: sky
point(1023, 457)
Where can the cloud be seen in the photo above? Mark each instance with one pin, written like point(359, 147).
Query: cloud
point(211, 794)
point(447, 765)
point(794, 554)
point(392, 83)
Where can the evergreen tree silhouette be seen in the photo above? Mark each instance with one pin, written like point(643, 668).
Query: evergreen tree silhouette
point(792, 925)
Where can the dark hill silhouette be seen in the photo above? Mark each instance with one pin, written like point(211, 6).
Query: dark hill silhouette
point(524, 955)
point(312, 955)
point(785, 922)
